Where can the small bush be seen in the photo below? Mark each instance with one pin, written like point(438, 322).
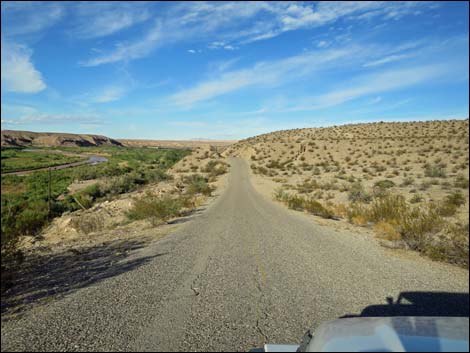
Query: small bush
point(387, 231)
point(435, 171)
point(357, 193)
point(316, 208)
point(215, 168)
point(295, 203)
point(456, 198)
point(384, 184)
point(390, 208)
point(87, 223)
point(416, 198)
point(197, 184)
point(280, 195)
point(155, 209)
point(31, 219)
point(461, 182)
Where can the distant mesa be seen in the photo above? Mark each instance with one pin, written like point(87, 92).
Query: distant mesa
point(13, 138)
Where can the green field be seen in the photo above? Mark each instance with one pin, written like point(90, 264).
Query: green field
point(14, 159)
point(25, 198)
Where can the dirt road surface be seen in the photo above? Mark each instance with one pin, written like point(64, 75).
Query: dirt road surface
point(244, 272)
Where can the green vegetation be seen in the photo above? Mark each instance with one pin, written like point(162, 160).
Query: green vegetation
point(25, 198)
point(15, 159)
point(435, 171)
point(197, 184)
point(156, 209)
point(161, 209)
point(215, 168)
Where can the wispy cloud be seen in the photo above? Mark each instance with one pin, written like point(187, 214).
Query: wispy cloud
point(126, 51)
point(110, 94)
point(262, 73)
point(387, 59)
point(108, 17)
point(371, 84)
point(18, 71)
point(45, 118)
point(29, 17)
point(231, 24)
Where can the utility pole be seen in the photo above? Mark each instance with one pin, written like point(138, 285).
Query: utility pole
point(49, 193)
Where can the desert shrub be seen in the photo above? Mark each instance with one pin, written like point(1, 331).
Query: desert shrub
point(456, 198)
point(387, 231)
point(295, 202)
point(452, 245)
point(357, 193)
point(197, 184)
point(435, 171)
point(316, 208)
point(384, 184)
point(408, 181)
point(215, 168)
point(83, 200)
point(389, 208)
point(87, 223)
point(155, 175)
point(461, 182)
point(416, 198)
point(358, 210)
point(156, 209)
point(280, 195)
point(418, 225)
point(30, 220)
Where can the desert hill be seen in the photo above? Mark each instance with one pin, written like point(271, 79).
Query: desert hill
point(423, 161)
point(13, 138)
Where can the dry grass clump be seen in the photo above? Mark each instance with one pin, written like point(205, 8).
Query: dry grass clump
point(300, 203)
point(156, 209)
point(421, 228)
point(90, 223)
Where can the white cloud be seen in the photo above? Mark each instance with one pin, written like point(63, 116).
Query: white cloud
point(387, 59)
point(18, 72)
point(45, 118)
point(230, 24)
point(371, 84)
point(110, 94)
point(262, 73)
point(192, 51)
point(105, 18)
point(130, 50)
point(26, 17)
point(375, 100)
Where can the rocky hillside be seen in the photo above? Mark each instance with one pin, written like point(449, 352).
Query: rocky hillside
point(11, 138)
point(406, 181)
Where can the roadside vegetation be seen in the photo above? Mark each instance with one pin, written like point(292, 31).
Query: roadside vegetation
point(16, 159)
point(407, 181)
point(160, 209)
point(25, 205)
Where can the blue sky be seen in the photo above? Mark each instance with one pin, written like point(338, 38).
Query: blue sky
point(229, 70)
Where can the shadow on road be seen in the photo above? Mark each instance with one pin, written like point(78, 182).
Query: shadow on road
point(441, 304)
point(42, 276)
point(187, 216)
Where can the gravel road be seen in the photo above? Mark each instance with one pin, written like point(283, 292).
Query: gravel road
point(244, 272)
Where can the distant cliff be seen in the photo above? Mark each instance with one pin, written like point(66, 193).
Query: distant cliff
point(13, 138)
